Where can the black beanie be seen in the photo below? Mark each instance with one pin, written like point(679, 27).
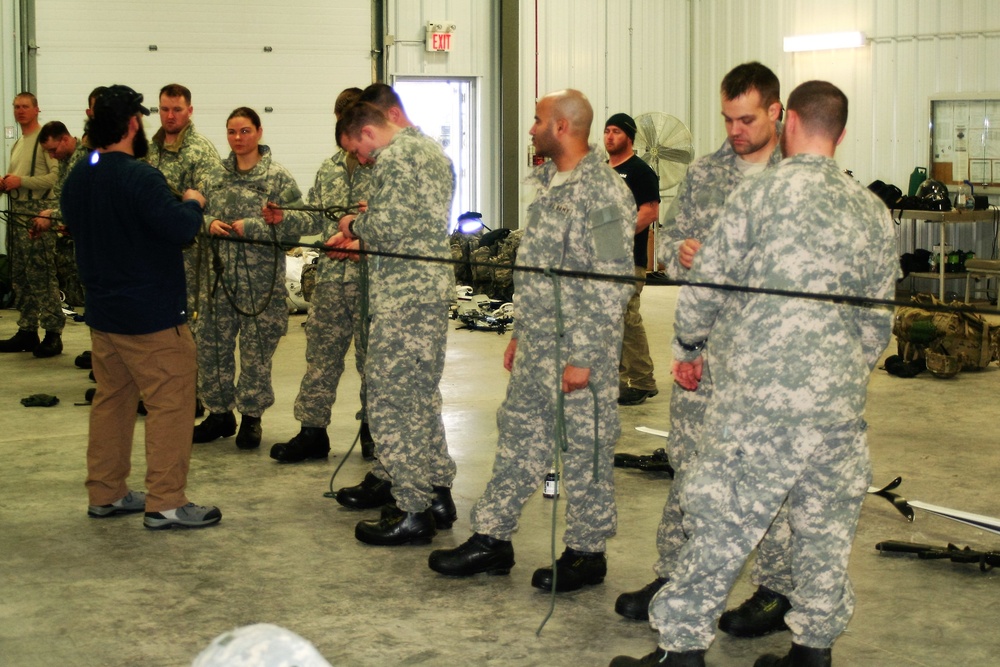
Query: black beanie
point(623, 122)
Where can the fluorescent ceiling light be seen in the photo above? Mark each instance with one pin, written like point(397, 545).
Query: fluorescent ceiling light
point(829, 40)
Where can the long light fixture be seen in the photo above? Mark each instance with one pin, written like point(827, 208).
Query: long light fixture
point(824, 41)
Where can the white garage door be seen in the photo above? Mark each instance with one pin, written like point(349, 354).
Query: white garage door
point(291, 57)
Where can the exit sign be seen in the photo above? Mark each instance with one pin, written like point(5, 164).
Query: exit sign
point(439, 41)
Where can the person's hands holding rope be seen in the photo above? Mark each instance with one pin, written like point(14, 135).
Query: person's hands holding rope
point(40, 224)
point(273, 213)
point(574, 378)
point(220, 228)
point(338, 242)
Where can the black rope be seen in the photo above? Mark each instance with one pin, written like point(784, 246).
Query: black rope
point(840, 299)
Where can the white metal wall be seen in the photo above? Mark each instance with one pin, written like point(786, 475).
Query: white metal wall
point(217, 49)
point(670, 55)
point(632, 55)
point(475, 53)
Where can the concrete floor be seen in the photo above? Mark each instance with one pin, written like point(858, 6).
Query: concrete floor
point(80, 592)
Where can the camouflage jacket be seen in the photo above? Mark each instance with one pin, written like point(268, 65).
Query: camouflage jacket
point(340, 182)
point(585, 224)
point(801, 226)
point(408, 212)
point(242, 196)
point(66, 166)
point(698, 203)
point(189, 162)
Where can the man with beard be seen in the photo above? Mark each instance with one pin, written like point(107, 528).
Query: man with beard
point(563, 357)
point(751, 109)
point(129, 230)
point(635, 369)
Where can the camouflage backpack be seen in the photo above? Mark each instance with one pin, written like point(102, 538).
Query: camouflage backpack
point(947, 342)
point(462, 247)
point(492, 265)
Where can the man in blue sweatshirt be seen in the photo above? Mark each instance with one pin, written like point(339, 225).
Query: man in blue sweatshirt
point(129, 230)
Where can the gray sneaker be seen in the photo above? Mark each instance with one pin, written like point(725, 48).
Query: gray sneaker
point(188, 516)
point(131, 502)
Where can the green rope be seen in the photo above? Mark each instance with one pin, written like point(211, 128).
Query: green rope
point(561, 441)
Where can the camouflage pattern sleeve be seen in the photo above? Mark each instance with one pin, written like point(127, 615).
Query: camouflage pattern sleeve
point(205, 165)
point(884, 272)
point(408, 212)
point(66, 166)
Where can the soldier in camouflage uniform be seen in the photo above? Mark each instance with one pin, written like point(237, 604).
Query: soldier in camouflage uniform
point(335, 308)
point(56, 140)
point(791, 379)
point(751, 106)
point(408, 212)
point(187, 160)
point(583, 218)
point(245, 297)
point(29, 185)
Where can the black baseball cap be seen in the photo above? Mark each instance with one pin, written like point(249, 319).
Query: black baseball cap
point(120, 100)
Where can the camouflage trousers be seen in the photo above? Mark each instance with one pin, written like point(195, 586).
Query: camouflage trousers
point(526, 422)
point(66, 272)
point(772, 567)
point(334, 319)
point(635, 369)
point(218, 327)
point(406, 351)
point(33, 270)
point(743, 474)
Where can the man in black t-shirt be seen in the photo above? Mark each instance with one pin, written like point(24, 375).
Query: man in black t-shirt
point(635, 369)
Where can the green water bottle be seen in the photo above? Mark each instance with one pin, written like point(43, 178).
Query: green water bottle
point(918, 176)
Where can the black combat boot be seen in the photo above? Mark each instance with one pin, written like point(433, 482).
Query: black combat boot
point(311, 442)
point(396, 528)
point(635, 605)
point(250, 433)
point(22, 341)
point(761, 614)
point(799, 656)
point(661, 658)
point(443, 508)
point(574, 570)
point(216, 425)
point(50, 346)
point(367, 443)
point(372, 492)
point(480, 553)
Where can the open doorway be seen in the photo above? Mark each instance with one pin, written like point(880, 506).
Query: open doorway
point(446, 109)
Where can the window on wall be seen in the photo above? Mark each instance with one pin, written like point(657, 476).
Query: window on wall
point(445, 109)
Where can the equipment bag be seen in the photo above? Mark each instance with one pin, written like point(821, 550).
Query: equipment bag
point(948, 342)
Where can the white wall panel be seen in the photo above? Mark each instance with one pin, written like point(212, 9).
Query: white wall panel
point(217, 50)
point(624, 55)
point(672, 54)
point(475, 53)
